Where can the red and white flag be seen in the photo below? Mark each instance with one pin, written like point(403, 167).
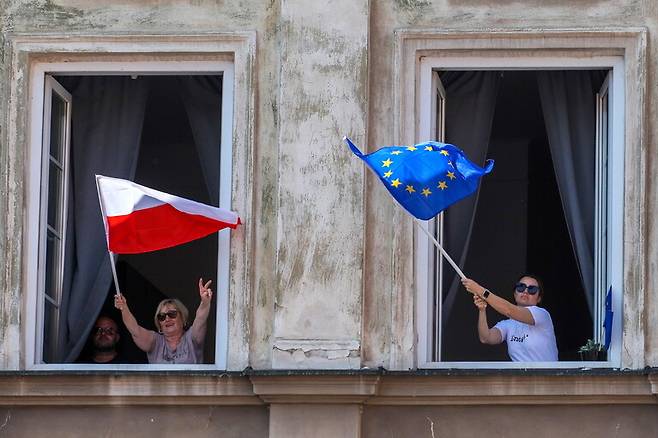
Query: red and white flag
point(139, 219)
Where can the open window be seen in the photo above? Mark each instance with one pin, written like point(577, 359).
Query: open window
point(168, 128)
point(548, 207)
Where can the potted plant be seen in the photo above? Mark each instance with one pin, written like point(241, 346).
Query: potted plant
point(592, 351)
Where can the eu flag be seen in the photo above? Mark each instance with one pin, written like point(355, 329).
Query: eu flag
point(425, 178)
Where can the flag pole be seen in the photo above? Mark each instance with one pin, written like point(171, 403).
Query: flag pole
point(112, 263)
point(438, 245)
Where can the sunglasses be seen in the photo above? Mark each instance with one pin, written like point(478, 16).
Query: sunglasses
point(171, 314)
point(102, 331)
point(532, 289)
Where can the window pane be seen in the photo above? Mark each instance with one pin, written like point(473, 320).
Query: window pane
point(54, 191)
point(52, 252)
point(49, 331)
point(57, 124)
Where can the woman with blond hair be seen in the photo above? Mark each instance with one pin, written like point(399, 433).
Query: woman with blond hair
point(172, 344)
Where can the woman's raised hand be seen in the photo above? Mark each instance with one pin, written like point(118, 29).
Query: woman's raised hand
point(204, 291)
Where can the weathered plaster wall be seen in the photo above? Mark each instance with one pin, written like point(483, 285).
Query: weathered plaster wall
point(651, 196)
point(319, 255)
point(95, 421)
point(322, 71)
point(510, 421)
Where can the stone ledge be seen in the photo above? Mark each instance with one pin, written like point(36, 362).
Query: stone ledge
point(326, 388)
point(126, 389)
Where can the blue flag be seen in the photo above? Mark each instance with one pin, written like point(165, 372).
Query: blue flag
point(426, 178)
point(607, 322)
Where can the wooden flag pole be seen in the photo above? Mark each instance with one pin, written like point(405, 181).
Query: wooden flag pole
point(438, 245)
point(114, 269)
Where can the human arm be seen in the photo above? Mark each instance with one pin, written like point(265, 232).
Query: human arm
point(501, 305)
point(491, 336)
point(200, 320)
point(144, 339)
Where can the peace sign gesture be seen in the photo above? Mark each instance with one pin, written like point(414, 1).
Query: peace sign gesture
point(204, 291)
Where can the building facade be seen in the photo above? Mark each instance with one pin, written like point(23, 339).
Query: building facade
point(334, 314)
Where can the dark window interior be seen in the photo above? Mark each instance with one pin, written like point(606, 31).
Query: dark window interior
point(168, 161)
point(519, 227)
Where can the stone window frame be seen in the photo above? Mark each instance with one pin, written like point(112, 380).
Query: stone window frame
point(412, 45)
point(26, 53)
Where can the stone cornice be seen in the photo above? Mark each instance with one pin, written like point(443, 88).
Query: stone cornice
point(330, 388)
point(126, 389)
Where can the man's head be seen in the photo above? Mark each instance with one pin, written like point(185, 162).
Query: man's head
point(105, 335)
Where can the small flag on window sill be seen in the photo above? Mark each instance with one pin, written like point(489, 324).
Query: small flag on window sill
point(425, 178)
point(139, 219)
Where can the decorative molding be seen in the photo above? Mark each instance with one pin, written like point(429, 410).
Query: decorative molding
point(410, 45)
point(166, 389)
point(315, 389)
point(23, 50)
point(126, 389)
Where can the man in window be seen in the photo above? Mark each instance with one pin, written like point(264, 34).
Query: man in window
point(105, 339)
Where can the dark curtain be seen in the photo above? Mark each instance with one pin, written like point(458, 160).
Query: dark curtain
point(108, 114)
point(202, 97)
point(569, 107)
point(471, 102)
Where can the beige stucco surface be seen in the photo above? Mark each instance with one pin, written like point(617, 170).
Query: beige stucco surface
point(134, 421)
point(510, 421)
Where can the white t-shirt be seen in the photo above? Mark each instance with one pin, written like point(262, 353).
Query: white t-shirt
point(530, 343)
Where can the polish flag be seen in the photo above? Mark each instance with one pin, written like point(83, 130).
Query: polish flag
point(139, 219)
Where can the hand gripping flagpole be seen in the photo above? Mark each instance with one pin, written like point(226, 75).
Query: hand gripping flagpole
point(112, 262)
point(438, 245)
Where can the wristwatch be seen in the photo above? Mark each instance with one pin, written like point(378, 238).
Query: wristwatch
point(485, 294)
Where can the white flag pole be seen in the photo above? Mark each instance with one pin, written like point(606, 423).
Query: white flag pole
point(438, 245)
point(112, 263)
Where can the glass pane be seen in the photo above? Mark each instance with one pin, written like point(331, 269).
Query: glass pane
point(54, 192)
point(49, 331)
point(57, 126)
point(52, 256)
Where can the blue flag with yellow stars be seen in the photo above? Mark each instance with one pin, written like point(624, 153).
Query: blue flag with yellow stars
point(425, 178)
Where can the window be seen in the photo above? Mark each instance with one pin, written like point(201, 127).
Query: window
point(531, 214)
point(164, 125)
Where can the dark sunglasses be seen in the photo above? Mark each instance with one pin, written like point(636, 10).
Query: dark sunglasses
point(171, 314)
point(532, 289)
point(102, 330)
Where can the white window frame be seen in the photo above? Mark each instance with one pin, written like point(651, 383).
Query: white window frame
point(38, 75)
point(615, 269)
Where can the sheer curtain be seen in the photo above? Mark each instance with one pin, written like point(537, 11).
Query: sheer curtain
point(471, 102)
point(202, 97)
point(569, 107)
point(108, 114)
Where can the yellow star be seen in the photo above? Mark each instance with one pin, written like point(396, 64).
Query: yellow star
point(428, 148)
point(387, 174)
point(426, 191)
point(396, 182)
point(412, 148)
point(396, 152)
point(410, 189)
point(451, 175)
point(387, 163)
point(442, 185)
point(444, 152)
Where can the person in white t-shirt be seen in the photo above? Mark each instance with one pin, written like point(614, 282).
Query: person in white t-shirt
point(528, 331)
